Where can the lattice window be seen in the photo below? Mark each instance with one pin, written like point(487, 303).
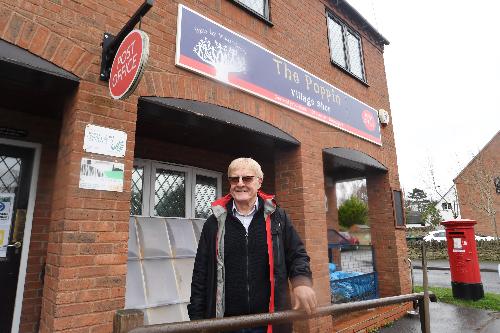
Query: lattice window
point(170, 193)
point(10, 169)
point(255, 5)
point(137, 190)
point(205, 194)
point(345, 47)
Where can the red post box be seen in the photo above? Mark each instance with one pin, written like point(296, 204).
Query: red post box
point(464, 263)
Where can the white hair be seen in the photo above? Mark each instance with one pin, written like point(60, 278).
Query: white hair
point(246, 162)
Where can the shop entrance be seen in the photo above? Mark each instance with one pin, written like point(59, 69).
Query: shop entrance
point(16, 166)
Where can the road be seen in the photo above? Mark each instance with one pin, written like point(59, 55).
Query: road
point(442, 278)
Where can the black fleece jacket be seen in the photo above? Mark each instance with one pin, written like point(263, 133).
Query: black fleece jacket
point(290, 262)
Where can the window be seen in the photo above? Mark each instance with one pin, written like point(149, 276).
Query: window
point(168, 190)
point(259, 7)
point(397, 200)
point(169, 204)
point(345, 47)
point(446, 205)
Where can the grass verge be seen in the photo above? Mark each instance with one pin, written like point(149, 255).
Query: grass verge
point(489, 302)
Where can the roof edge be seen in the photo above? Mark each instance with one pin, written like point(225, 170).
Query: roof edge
point(474, 158)
point(365, 22)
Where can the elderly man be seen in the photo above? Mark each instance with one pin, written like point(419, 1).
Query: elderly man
point(248, 250)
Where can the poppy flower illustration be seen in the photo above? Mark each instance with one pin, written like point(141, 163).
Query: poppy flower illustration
point(224, 58)
point(368, 120)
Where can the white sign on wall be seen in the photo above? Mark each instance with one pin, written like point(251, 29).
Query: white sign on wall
point(6, 206)
point(101, 175)
point(105, 141)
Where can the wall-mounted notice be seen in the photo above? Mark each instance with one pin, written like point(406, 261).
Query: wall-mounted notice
point(6, 207)
point(101, 175)
point(105, 141)
point(457, 245)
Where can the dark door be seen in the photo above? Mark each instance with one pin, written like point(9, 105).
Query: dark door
point(16, 165)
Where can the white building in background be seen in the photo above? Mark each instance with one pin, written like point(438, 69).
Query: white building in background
point(448, 204)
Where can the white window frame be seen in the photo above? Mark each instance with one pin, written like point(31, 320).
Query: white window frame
point(208, 173)
point(146, 174)
point(345, 29)
point(264, 15)
point(148, 186)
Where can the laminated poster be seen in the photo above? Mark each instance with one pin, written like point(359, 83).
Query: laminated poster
point(6, 207)
point(106, 141)
point(101, 175)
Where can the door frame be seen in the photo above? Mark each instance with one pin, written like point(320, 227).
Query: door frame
point(21, 279)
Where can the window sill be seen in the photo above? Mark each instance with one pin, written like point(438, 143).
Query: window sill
point(349, 73)
point(254, 13)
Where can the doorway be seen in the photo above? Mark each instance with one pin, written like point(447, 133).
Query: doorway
point(18, 173)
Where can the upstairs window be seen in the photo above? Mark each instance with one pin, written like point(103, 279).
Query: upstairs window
point(259, 7)
point(345, 47)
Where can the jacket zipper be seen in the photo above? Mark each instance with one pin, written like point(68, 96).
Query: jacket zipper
point(278, 241)
point(248, 283)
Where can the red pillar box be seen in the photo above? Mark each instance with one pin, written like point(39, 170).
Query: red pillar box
point(464, 263)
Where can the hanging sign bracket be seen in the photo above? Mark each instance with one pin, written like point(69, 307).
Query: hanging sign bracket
point(111, 43)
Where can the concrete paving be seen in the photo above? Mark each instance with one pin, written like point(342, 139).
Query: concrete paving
point(451, 319)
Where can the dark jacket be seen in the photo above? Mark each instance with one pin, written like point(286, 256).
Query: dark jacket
point(289, 261)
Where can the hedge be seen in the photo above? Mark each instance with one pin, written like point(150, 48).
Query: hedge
point(486, 250)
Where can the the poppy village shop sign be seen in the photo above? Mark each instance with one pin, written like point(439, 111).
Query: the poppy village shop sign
point(212, 50)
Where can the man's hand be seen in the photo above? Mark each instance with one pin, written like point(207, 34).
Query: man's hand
point(305, 298)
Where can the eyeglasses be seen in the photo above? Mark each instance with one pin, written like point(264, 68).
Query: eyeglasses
point(235, 180)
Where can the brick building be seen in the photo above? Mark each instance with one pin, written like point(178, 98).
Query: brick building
point(478, 187)
point(97, 228)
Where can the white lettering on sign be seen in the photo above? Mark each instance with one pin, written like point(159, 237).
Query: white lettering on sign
point(129, 64)
point(128, 61)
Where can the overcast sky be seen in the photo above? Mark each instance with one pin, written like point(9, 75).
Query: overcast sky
point(443, 71)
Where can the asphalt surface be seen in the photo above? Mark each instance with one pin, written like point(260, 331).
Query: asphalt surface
point(450, 319)
point(438, 274)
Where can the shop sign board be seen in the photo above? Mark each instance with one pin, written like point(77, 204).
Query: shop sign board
point(101, 175)
point(105, 141)
point(210, 49)
point(6, 208)
point(129, 64)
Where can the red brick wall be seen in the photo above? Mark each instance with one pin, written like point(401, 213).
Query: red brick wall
point(86, 257)
point(476, 190)
point(153, 149)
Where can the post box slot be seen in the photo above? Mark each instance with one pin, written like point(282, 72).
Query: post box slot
point(455, 233)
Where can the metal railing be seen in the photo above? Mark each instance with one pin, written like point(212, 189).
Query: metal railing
point(132, 321)
point(235, 323)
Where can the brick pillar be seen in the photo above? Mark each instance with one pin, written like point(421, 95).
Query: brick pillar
point(332, 215)
point(87, 248)
point(300, 190)
point(389, 243)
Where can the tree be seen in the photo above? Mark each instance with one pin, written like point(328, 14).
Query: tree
point(431, 214)
point(452, 192)
point(417, 202)
point(353, 211)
